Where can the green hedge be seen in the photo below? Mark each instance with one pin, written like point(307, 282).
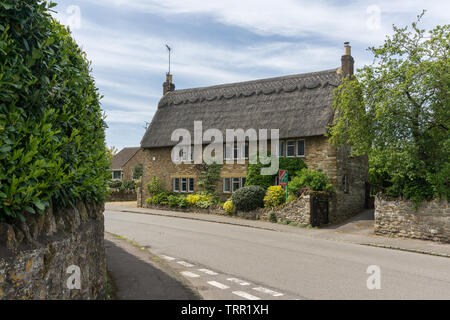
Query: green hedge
point(52, 141)
point(248, 198)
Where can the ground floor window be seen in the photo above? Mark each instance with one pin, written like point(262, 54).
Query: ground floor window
point(117, 174)
point(183, 184)
point(232, 184)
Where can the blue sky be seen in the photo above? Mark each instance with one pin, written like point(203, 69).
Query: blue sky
point(218, 42)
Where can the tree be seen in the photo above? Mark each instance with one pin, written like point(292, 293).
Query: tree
point(111, 152)
point(397, 111)
point(137, 171)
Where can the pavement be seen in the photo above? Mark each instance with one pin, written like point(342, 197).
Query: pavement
point(230, 258)
point(138, 275)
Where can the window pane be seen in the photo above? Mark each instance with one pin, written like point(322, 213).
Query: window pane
point(300, 147)
point(176, 184)
point(183, 185)
point(236, 184)
point(246, 152)
point(235, 151)
point(281, 153)
point(191, 184)
point(290, 149)
point(243, 181)
point(226, 184)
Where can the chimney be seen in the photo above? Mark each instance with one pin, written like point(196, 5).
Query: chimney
point(347, 61)
point(168, 85)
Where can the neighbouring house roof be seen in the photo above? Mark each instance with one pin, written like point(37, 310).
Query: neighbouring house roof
point(298, 105)
point(121, 158)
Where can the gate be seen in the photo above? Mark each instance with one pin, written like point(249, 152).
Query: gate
point(319, 211)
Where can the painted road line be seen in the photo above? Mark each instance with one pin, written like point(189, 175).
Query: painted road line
point(218, 285)
point(238, 281)
point(189, 274)
point(186, 264)
point(207, 271)
point(268, 291)
point(168, 258)
point(245, 295)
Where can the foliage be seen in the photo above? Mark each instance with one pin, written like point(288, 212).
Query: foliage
point(137, 171)
point(159, 198)
point(110, 153)
point(155, 186)
point(197, 198)
point(228, 206)
point(291, 197)
point(397, 111)
point(272, 217)
point(52, 141)
point(312, 179)
point(254, 177)
point(115, 183)
point(177, 201)
point(209, 176)
point(248, 198)
point(275, 195)
point(129, 184)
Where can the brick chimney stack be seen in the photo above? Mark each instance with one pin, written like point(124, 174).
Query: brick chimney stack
point(168, 85)
point(347, 61)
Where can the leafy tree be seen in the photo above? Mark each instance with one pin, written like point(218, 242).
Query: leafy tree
point(137, 171)
point(52, 141)
point(397, 111)
point(111, 152)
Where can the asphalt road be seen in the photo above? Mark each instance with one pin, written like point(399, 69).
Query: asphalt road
point(233, 262)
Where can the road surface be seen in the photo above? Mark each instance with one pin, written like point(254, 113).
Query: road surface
point(235, 262)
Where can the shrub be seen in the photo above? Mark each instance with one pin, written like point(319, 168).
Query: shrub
point(228, 206)
point(291, 197)
point(272, 217)
point(115, 183)
point(129, 184)
point(313, 179)
point(248, 198)
point(137, 171)
point(275, 195)
point(177, 201)
point(160, 198)
point(52, 141)
point(192, 199)
point(155, 186)
point(209, 176)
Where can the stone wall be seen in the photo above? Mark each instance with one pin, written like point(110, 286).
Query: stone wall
point(39, 256)
point(122, 195)
point(399, 218)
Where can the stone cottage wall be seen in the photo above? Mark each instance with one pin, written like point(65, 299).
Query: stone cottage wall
point(38, 256)
point(398, 217)
point(127, 169)
point(298, 211)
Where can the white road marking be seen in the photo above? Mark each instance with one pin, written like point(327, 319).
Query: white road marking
point(218, 285)
point(207, 271)
point(168, 258)
point(268, 291)
point(245, 295)
point(186, 264)
point(238, 281)
point(189, 274)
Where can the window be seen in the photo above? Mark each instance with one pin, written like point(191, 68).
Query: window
point(246, 150)
point(282, 146)
point(117, 174)
point(227, 152)
point(226, 185)
point(243, 179)
point(300, 148)
point(191, 185)
point(290, 149)
point(235, 151)
point(236, 184)
point(176, 184)
point(183, 184)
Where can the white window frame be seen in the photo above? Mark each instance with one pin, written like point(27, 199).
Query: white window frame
point(229, 185)
point(282, 148)
point(121, 174)
point(181, 185)
point(189, 185)
point(227, 153)
point(304, 148)
point(174, 188)
point(233, 181)
point(293, 145)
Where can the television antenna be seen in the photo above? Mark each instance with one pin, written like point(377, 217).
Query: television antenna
point(169, 49)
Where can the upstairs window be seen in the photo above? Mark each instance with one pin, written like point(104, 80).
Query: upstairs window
point(290, 146)
point(282, 147)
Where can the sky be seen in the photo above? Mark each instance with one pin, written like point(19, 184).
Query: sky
point(215, 42)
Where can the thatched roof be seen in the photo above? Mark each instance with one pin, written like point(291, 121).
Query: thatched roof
point(298, 105)
point(121, 158)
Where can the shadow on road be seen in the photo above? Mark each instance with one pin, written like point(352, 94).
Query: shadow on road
point(136, 277)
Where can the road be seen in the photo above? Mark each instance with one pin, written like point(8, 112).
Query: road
point(235, 262)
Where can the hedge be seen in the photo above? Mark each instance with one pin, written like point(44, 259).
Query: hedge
point(52, 141)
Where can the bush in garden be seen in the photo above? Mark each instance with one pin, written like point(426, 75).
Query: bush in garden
point(275, 195)
point(181, 201)
point(52, 140)
point(129, 184)
point(313, 179)
point(272, 217)
point(155, 186)
point(291, 197)
point(228, 206)
point(137, 171)
point(248, 198)
point(160, 198)
point(115, 183)
point(192, 199)
point(177, 201)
